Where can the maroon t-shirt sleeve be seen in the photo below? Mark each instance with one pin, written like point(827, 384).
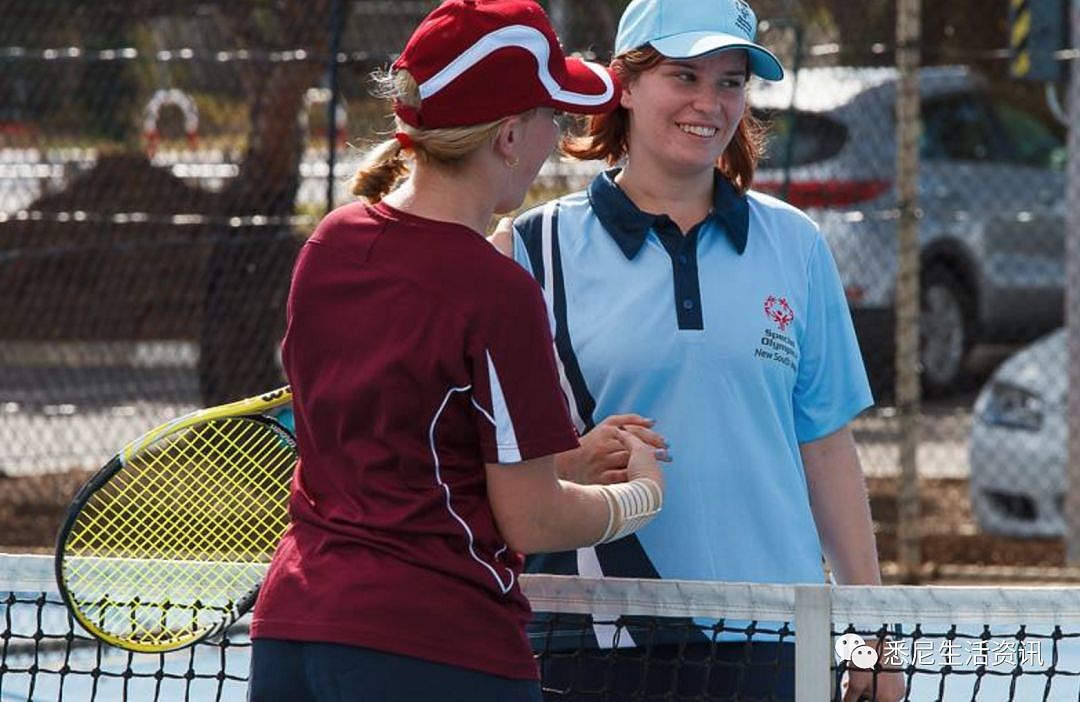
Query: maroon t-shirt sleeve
point(520, 410)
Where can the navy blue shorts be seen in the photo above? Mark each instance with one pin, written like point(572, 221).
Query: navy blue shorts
point(736, 671)
point(294, 671)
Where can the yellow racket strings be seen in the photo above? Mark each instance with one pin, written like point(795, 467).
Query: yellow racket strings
point(163, 550)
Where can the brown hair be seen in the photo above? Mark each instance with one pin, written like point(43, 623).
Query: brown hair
point(386, 164)
point(607, 136)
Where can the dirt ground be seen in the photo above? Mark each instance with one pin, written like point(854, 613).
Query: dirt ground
point(949, 534)
point(31, 509)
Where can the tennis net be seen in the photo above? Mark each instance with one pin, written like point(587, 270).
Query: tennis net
point(692, 641)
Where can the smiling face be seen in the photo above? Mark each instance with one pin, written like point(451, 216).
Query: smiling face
point(684, 112)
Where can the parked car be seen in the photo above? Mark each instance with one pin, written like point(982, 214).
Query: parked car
point(1018, 443)
point(991, 194)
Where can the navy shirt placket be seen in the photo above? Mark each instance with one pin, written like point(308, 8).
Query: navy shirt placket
point(684, 271)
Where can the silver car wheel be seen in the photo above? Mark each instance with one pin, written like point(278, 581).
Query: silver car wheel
point(942, 331)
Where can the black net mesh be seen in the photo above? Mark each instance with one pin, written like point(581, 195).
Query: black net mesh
point(623, 640)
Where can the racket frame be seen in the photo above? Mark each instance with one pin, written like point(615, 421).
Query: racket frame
point(254, 408)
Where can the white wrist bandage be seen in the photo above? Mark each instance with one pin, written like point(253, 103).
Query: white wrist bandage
point(630, 506)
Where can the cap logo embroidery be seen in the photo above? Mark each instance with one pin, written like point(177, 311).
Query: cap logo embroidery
point(778, 310)
point(743, 19)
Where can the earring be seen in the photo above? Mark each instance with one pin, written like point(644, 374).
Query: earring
point(511, 162)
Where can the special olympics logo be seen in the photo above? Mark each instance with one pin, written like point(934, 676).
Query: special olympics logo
point(778, 310)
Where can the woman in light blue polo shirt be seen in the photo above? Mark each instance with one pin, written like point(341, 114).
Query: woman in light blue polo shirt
point(680, 294)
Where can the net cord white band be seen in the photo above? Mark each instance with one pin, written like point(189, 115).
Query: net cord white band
point(816, 610)
point(688, 598)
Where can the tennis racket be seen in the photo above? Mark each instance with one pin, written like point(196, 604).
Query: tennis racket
point(167, 544)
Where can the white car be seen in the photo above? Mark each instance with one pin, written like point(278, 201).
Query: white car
point(1018, 445)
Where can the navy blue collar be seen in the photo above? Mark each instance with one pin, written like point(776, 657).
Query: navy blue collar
point(628, 225)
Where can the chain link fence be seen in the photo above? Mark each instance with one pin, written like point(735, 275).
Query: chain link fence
point(162, 161)
point(979, 443)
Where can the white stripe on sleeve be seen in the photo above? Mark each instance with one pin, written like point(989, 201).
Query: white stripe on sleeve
point(505, 436)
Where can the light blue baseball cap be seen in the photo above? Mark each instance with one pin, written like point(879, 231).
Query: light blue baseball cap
point(681, 29)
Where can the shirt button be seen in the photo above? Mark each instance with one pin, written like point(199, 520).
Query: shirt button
point(688, 304)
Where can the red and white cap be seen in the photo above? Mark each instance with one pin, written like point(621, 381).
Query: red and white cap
point(478, 61)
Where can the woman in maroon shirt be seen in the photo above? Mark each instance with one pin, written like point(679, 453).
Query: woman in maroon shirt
point(425, 391)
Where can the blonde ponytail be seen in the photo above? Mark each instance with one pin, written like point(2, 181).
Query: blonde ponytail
point(387, 163)
point(381, 171)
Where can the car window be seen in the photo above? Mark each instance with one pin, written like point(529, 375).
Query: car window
point(959, 128)
point(1031, 141)
point(810, 138)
